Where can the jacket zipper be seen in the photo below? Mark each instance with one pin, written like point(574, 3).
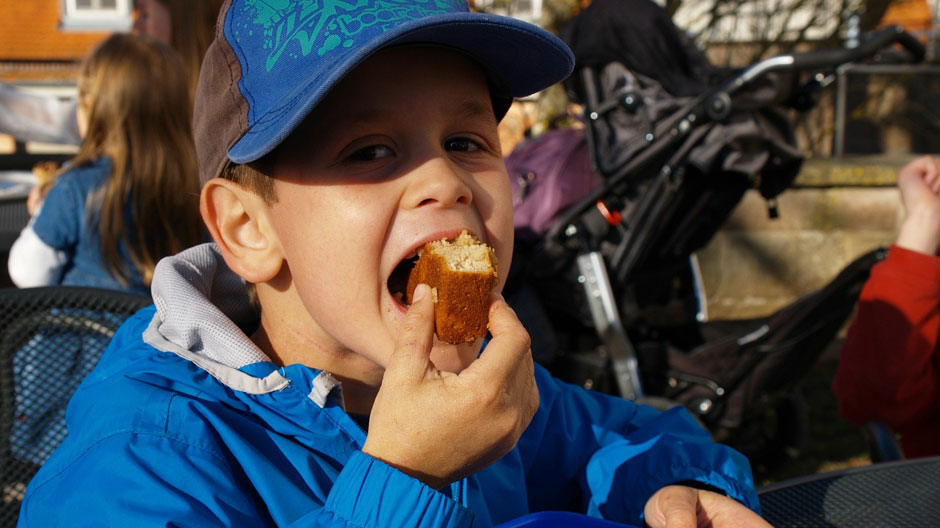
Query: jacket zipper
point(456, 491)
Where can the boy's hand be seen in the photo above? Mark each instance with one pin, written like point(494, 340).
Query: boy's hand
point(438, 426)
point(919, 183)
point(685, 507)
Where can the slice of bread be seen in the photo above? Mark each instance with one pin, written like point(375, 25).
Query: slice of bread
point(462, 273)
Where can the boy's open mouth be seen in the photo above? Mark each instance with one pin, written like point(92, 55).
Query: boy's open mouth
point(398, 280)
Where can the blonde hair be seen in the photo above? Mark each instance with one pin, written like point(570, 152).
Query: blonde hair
point(192, 28)
point(139, 116)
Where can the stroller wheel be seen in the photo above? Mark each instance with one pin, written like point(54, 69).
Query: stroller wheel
point(663, 404)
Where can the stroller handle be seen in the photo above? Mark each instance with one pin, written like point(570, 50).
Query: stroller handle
point(829, 59)
point(823, 59)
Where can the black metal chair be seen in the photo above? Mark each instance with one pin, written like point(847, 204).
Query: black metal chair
point(50, 339)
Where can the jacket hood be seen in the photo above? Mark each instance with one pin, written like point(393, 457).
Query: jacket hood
point(204, 314)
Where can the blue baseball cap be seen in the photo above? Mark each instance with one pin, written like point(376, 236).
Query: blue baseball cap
point(272, 61)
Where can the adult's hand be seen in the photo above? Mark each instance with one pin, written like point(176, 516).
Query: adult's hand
point(45, 173)
point(34, 200)
point(439, 426)
point(685, 507)
point(919, 183)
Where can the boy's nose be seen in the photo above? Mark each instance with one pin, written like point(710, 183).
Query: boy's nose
point(438, 181)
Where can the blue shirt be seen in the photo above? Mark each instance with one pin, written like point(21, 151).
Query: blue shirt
point(63, 224)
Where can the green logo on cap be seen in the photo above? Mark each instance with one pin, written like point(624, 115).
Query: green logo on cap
point(325, 25)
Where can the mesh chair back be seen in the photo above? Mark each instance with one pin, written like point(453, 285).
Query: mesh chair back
point(50, 339)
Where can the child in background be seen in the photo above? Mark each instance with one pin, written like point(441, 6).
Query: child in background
point(128, 198)
point(889, 365)
point(335, 139)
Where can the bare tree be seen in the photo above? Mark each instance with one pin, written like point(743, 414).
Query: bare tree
point(774, 26)
point(764, 26)
point(737, 33)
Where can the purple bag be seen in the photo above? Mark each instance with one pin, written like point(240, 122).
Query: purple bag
point(548, 174)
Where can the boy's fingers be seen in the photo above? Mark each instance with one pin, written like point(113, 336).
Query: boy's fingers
point(509, 337)
point(672, 507)
point(934, 163)
point(505, 325)
point(413, 348)
point(932, 172)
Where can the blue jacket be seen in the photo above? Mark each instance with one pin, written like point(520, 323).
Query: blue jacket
point(184, 422)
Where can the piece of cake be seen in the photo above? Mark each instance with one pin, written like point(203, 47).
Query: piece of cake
point(45, 173)
point(462, 273)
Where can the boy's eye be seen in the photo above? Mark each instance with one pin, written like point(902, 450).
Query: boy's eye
point(370, 153)
point(461, 145)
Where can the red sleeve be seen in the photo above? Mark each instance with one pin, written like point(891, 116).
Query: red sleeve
point(888, 365)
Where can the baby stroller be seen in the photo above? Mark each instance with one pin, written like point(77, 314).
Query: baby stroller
point(608, 218)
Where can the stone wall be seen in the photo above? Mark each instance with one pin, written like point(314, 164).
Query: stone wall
point(836, 211)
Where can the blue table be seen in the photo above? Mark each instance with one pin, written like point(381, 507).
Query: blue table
point(898, 494)
point(559, 519)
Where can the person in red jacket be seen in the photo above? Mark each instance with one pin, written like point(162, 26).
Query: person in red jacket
point(889, 365)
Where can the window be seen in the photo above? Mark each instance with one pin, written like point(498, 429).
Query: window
point(97, 15)
point(528, 10)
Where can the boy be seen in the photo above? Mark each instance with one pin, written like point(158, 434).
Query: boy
point(335, 139)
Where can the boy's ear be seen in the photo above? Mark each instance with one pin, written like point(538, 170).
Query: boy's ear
point(238, 221)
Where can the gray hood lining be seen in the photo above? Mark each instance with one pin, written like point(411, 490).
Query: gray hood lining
point(202, 307)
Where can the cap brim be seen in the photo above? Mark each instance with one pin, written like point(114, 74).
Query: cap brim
point(525, 59)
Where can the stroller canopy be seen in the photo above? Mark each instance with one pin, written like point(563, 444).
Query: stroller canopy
point(641, 36)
